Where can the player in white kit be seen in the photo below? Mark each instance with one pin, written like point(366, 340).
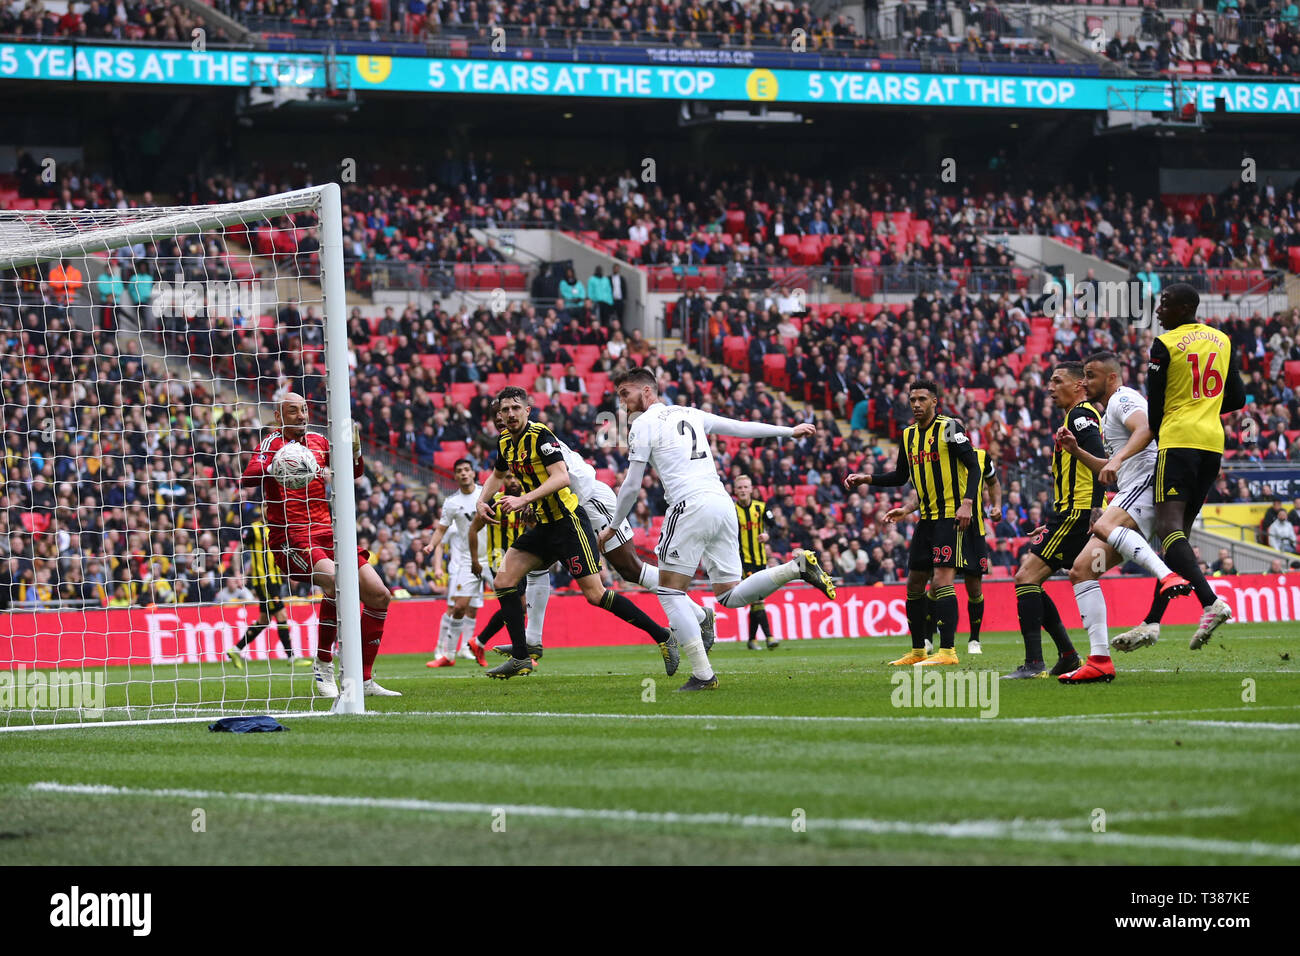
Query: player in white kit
point(464, 587)
point(1123, 529)
point(701, 526)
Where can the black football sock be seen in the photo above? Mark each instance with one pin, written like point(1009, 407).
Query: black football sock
point(1180, 556)
point(1029, 608)
point(287, 644)
point(945, 606)
point(1158, 604)
point(512, 609)
point(975, 611)
point(931, 614)
point(621, 607)
point(917, 622)
point(1055, 628)
point(250, 635)
point(494, 624)
point(758, 621)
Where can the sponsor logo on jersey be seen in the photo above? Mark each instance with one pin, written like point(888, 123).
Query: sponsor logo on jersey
point(1081, 423)
point(548, 448)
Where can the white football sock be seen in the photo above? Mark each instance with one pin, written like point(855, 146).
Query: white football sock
point(537, 593)
point(650, 581)
point(758, 586)
point(1133, 547)
point(678, 608)
point(458, 631)
point(1092, 609)
point(443, 628)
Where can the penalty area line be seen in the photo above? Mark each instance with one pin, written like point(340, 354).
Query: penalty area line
point(1045, 831)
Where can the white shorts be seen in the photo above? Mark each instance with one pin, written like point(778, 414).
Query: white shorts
point(600, 509)
point(703, 530)
point(1139, 503)
point(462, 582)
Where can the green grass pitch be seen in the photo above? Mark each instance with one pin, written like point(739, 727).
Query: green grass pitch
point(800, 757)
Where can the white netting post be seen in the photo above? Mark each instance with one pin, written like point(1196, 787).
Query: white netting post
point(351, 699)
point(131, 400)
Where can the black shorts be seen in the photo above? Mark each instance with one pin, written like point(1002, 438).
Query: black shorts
point(1065, 536)
point(973, 553)
point(1186, 474)
point(934, 545)
point(569, 540)
point(271, 599)
point(746, 569)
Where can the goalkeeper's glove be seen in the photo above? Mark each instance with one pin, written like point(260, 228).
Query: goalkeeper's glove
point(356, 442)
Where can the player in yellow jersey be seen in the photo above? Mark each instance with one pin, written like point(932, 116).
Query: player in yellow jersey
point(931, 456)
point(267, 581)
point(563, 531)
point(1194, 378)
point(973, 557)
point(753, 516)
point(1076, 503)
point(501, 536)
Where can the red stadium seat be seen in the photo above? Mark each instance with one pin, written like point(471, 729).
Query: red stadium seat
point(1292, 372)
point(735, 353)
point(774, 372)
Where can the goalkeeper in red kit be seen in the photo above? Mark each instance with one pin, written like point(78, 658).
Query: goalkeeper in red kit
point(302, 540)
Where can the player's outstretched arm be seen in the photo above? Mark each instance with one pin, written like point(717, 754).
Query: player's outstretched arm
point(893, 479)
point(628, 492)
point(717, 425)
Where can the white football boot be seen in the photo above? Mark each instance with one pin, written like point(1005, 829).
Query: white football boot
point(324, 674)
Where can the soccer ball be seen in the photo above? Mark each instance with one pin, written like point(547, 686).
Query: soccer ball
point(295, 465)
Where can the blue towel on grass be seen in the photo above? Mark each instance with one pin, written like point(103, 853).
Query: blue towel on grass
point(247, 725)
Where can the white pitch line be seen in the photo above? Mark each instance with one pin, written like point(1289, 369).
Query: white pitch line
point(835, 718)
point(1025, 830)
point(913, 720)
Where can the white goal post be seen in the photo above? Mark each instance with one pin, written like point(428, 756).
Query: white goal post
point(290, 244)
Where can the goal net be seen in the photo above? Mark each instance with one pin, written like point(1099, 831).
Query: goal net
point(142, 356)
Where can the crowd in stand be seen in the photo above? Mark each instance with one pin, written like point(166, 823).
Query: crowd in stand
point(690, 23)
point(115, 480)
point(101, 20)
point(1233, 38)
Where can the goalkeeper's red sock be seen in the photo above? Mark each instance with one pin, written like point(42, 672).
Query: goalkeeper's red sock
point(327, 631)
point(372, 632)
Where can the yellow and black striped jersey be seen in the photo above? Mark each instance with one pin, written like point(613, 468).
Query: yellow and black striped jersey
point(1074, 487)
point(984, 473)
point(1193, 379)
point(501, 536)
point(264, 575)
point(753, 519)
point(527, 456)
point(930, 458)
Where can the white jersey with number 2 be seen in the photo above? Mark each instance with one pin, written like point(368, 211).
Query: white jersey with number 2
point(674, 440)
